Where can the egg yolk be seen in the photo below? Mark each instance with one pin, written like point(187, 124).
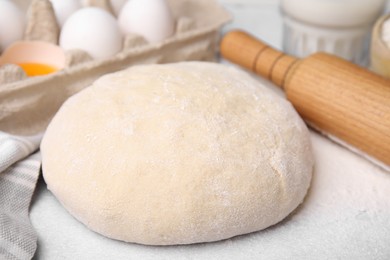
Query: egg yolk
point(36, 69)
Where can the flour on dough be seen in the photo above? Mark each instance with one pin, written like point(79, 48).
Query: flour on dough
point(177, 154)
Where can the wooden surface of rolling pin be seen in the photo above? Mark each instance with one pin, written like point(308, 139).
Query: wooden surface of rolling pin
point(331, 94)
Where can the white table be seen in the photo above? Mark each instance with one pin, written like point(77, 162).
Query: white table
point(346, 214)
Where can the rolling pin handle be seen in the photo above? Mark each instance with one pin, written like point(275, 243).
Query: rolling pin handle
point(247, 51)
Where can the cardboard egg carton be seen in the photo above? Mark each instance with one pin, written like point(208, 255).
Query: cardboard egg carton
point(28, 104)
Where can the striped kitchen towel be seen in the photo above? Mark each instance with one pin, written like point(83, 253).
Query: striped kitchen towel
point(19, 172)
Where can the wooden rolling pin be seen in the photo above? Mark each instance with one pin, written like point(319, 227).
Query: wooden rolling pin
point(335, 96)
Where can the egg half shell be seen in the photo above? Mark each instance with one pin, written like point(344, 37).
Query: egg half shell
point(34, 52)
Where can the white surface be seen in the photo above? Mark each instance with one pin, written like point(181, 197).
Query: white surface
point(261, 20)
point(346, 214)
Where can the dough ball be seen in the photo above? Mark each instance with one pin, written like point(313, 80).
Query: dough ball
point(177, 154)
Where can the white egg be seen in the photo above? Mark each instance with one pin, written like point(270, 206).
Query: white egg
point(150, 18)
point(12, 23)
point(64, 9)
point(117, 5)
point(93, 30)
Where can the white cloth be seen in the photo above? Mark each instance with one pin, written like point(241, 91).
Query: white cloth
point(19, 172)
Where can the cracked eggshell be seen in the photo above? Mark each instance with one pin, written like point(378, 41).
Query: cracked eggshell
point(36, 52)
point(94, 31)
point(12, 23)
point(152, 19)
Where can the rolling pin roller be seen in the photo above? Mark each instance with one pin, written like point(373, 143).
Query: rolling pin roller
point(338, 98)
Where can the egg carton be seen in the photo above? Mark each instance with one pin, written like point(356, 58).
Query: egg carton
point(28, 104)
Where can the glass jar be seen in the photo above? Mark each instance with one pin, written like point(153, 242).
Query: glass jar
point(340, 27)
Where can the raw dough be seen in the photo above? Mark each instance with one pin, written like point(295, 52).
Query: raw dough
point(177, 154)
